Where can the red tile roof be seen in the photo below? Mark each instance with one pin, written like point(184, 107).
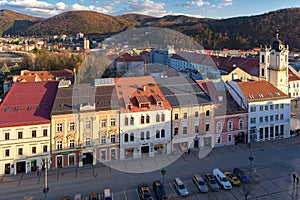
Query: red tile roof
point(28, 103)
point(128, 58)
point(137, 90)
point(260, 90)
point(293, 76)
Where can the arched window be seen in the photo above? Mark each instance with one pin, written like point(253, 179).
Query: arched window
point(131, 120)
point(147, 135)
point(126, 137)
point(147, 119)
point(162, 117)
point(229, 125)
point(219, 127)
point(263, 58)
point(157, 134)
point(162, 133)
point(262, 72)
point(142, 119)
point(241, 124)
point(157, 117)
point(142, 136)
point(131, 137)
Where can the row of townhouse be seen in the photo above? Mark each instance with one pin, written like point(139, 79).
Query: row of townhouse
point(129, 118)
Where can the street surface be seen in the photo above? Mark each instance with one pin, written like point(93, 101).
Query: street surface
point(273, 165)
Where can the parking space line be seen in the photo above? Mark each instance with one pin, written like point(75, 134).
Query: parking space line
point(137, 193)
point(173, 189)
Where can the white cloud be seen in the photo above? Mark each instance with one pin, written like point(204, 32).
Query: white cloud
point(198, 3)
point(225, 3)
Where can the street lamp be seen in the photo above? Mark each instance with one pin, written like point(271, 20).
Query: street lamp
point(163, 171)
point(46, 188)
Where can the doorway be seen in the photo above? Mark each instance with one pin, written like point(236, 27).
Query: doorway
point(33, 165)
point(7, 168)
point(145, 150)
point(87, 158)
point(59, 161)
point(21, 167)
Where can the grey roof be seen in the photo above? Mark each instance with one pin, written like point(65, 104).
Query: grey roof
point(104, 81)
point(68, 100)
point(182, 91)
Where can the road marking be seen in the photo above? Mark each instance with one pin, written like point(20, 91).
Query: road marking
point(173, 189)
point(137, 193)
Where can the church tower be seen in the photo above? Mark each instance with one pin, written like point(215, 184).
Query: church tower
point(273, 64)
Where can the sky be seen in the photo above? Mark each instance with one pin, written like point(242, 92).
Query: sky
point(216, 9)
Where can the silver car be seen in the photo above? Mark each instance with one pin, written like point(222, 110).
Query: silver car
point(180, 187)
point(199, 182)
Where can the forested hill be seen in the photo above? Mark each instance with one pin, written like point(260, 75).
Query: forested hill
point(234, 33)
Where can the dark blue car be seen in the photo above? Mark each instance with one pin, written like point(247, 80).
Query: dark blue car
point(241, 175)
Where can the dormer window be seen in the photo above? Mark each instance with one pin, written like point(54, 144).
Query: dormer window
point(251, 96)
point(277, 93)
point(261, 95)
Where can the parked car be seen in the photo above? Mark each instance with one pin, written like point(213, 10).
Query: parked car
point(232, 178)
point(144, 192)
point(199, 182)
point(107, 195)
point(221, 179)
point(241, 175)
point(159, 190)
point(212, 182)
point(77, 197)
point(180, 187)
point(94, 196)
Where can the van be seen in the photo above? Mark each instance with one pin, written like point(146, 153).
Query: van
point(180, 187)
point(221, 179)
point(107, 195)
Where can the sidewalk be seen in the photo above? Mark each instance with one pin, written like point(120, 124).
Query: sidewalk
point(146, 164)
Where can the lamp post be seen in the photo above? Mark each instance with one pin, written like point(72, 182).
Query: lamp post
point(163, 171)
point(46, 188)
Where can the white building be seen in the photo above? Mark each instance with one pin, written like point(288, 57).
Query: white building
point(25, 127)
point(145, 124)
point(268, 109)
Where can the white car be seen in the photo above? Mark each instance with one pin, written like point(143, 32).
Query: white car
point(221, 178)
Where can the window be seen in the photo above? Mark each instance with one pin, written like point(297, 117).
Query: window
point(147, 135)
point(276, 106)
point(241, 124)
point(207, 113)
point(281, 130)
point(20, 135)
point(6, 136)
point(176, 116)
point(266, 118)
point(71, 143)
point(45, 132)
point(131, 120)
point(229, 138)
point(185, 115)
point(271, 118)
point(281, 116)
point(131, 137)
point(103, 123)
point(87, 124)
point(71, 159)
point(219, 127)
point(59, 127)
point(33, 133)
point(196, 129)
point(103, 139)
point(112, 122)
point(276, 117)
point(20, 151)
point(207, 127)
point(126, 121)
point(261, 119)
point(113, 139)
point(6, 152)
point(71, 126)
point(219, 140)
point(126, 137)
point(113, 154)
point(142, 136)
point(147, 119)
point(59, 145)
point(103, 154)
point(162, 133)
point(184, 130)
point(176, 131)
point(33, 150)
point(87, 141)
point(252, 120)
point(261, 108)
point(196, 114)
point(157, 134)
point(162, 117)
point(271, 107)
point(229, 125)
point(252, 109)
point(157, 118)
point(45, 148)
point(281, 106)
point(142, 119)
point(266, 107)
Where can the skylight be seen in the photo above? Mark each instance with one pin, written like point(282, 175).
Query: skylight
point(261, 95)
point(277, 93)
point(6, 110)
point(251, 96)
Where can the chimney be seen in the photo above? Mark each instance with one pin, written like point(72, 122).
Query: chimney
point(144, 88)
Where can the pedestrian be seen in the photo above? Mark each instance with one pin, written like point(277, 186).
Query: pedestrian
point(297, 179)
point(38, 170)
point(294, 178)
